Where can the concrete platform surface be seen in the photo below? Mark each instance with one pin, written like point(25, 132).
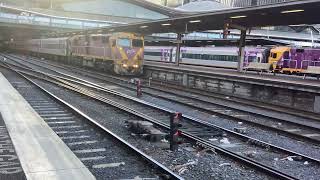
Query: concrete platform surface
point(250, 75)
point(42, 154)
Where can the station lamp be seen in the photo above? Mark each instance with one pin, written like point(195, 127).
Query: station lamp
point(237, 17)
point(292, 11)
point(195, 21)
point(166, 24)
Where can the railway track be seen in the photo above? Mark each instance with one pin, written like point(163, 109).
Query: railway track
point(201, 134)
point(301, 129)
point(89, 140)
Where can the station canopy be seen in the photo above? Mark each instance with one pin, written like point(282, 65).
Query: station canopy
point(299, 12)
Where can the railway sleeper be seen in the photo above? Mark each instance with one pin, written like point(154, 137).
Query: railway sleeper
point(146, 130)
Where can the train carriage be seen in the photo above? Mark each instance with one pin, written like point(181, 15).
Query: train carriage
point(223, 57)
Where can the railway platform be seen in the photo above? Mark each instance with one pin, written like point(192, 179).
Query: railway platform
point(291, 81)
point(42, 154)
point(284, 90)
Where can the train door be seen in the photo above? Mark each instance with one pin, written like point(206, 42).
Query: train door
point(298, 59)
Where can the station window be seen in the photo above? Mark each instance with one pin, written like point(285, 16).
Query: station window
point(137, 43)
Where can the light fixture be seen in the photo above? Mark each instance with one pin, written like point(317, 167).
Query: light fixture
point(166, 24)
point(297, 25)
point(111, 29)
point(292, 11)
point(142, 27)
point(195, 21)
point(237, 17)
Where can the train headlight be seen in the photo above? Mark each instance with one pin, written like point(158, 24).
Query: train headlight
point(135, 65)
point(125, 65)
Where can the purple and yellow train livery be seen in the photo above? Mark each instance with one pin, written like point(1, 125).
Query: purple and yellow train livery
point(121, 53)
point(294, 60)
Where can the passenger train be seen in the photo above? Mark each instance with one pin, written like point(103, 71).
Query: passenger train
point(281, 58)
point(224, 57)
point(121, 53)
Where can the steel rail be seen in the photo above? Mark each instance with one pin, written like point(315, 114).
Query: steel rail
point(250, 162)
point(289, 133)
point(165, 170)
point(190, 118)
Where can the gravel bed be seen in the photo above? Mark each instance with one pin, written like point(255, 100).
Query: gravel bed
point(252, 131)
point(226, 102)
point(190, 163)
point(299, 169)
point(132, 166)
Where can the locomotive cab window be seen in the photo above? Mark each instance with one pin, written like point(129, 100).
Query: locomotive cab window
point(137, 43)
point(286, 55)
point(113, 43)
point(124, 42)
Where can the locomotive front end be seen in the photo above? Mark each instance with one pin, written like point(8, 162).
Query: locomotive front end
point(128, 50)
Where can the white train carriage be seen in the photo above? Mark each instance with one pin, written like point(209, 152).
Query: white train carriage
point(210, 56)
point(224, 57)
point(159, 53)
point(52, 46)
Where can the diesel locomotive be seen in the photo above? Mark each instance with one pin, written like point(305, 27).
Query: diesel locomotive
point(121, 53)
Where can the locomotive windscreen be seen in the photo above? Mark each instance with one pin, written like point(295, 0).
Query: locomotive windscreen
point(137, 43)
point(124, 42)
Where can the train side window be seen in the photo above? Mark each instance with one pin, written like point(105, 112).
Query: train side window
point(274, 55)
point(76, 42)
point(300, 50)
point(94, 38)
point(105, 39)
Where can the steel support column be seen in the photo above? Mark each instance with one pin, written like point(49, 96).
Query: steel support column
point(242, 45)
point(179, 41)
